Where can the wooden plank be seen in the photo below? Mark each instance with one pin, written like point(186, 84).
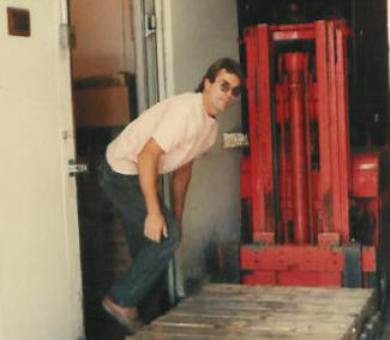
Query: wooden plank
point(276, 306)
point(325, 318)
point(263, 324)
point(323, 300)
point(177, 332)
point(265, 312)
point(259, 291)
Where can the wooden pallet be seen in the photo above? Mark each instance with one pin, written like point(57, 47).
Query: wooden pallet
point(224, 311)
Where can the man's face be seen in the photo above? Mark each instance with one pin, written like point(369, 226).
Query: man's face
point(221, 93)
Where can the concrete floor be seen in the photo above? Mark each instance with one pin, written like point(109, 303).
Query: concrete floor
point(386, 326)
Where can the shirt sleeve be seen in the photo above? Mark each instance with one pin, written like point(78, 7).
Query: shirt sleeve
point(173, 129)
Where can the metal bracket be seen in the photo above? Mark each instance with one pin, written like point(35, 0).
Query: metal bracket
point(352, 275)
point(67, 36)
point(150, 25)
point(235, 140)
point(76, 168)
point(66, 134)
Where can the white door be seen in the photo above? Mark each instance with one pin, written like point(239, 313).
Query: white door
point(40, 279)
point(190, 36)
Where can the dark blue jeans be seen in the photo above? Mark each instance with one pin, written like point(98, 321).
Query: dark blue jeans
point(150, 259)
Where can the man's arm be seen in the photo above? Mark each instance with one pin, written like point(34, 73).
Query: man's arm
point(179, 184)
point(148, 160)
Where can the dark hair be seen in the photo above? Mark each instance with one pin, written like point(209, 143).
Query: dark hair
point(230, 65)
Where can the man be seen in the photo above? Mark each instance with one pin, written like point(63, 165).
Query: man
point(165, 138)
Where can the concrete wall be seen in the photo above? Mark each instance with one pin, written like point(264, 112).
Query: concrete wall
point(196, 33)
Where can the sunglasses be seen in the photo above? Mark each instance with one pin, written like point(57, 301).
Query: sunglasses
point(226, 87)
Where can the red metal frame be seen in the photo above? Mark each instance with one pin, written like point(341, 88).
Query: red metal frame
point(292, 265)
point(304, 93)
point(261, 157)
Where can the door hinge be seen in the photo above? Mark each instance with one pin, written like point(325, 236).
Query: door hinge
point(76, 168)
point(67, 36)
point(150, 25)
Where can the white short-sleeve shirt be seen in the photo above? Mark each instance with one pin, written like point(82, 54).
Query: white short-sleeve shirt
point(179, 125)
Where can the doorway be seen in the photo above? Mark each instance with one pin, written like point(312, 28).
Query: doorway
point(104, 102)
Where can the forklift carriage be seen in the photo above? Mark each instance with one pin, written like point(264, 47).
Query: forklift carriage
point(315, 208)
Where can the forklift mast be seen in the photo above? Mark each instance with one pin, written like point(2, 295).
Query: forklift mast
point(314, 206)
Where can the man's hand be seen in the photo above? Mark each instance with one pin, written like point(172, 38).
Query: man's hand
point(148, 160)
point(155, 226)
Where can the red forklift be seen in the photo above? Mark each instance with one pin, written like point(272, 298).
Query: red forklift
point(316, 209)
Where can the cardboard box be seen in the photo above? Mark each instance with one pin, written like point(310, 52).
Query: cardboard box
point(101, 106)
